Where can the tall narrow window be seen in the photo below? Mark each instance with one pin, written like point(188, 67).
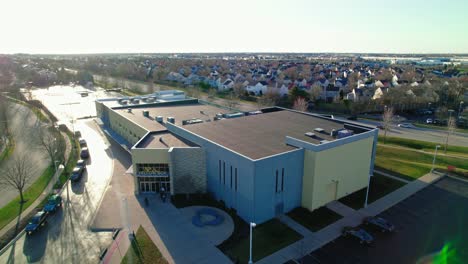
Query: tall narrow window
point(231, 177)
point(224, 172)
point(282, 179)
point(276, 186)
point(219, 171)
point(235, 180)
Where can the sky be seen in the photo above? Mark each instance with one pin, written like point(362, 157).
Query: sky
point(171, 26)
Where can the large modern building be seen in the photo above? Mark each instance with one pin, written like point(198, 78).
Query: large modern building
point(260, 163)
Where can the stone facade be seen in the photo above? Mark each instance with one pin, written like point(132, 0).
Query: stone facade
point(188, 170)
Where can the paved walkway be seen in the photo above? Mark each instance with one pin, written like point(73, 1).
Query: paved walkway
point(313, 241)
point(340, 208)
point(391, 176)
point(43, 195)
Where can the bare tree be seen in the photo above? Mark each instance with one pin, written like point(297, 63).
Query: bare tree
point(315, 92)
point(270, 98)
point(18, 174)
point(238, 89)
point(300, 104)
point(388, 117)
point(451, 125)
point(231, 101)
point(51, 142)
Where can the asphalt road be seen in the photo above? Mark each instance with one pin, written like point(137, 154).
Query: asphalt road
point(430, 224)
point(66, 237)
point(22, 124)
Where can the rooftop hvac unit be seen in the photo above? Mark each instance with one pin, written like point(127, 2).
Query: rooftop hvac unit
point(171, 119)
point(319, 130)
point(146, 113)
point(344, 133)
point(159, 119)
point(129, 110)
point(310, 134)
point(333, 133)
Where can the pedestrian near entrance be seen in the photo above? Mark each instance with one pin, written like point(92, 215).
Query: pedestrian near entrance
point(162, 193)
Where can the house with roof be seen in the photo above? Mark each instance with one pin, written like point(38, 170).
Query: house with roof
point(227, 85)
point(258, 89)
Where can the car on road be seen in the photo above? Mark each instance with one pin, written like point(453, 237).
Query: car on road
point(81, 163)
point(53, 203)
point(38, 220)
point(76, 174)
point(84, 154)
point(379, 223)
point(429, 121)
point(82, 142)
point(405, 125)
point(358, 233)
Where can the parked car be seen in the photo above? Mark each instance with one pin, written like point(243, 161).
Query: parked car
point(380, 223)
point(81, 163)
point(53, 202)
point(405, 125)
point(429, 121)
point(82, 142)
point(38, 220)
point(77, 134)
point(84, 154)
point(77, 173)
point(358, 233)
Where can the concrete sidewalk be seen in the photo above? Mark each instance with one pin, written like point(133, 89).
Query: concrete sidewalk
point(42, 196)
point(313, 241)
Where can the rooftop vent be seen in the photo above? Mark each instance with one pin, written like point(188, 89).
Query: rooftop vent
point(333, 133)
point(344, 133)
point(129, 110)
point(309, 134)
point(159, 119)
point(319, 130)
point(145, 113)
point(171, 119)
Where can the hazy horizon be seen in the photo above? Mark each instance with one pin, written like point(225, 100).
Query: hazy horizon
point(298, 26)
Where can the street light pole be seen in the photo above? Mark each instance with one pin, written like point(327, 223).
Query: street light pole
point(435, 154)
point(460, 108)
point(252, 225)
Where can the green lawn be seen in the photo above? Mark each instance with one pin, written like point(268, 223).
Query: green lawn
point(10, 211)
point(143, 250)
point(422, 145)
point(379, 187)
point(268, 238)
point(315, 220)
point(8, 149)
point(413, 164)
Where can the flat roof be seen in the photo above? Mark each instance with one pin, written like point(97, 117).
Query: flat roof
point(179, 112)
point(163, 140)
point(263, 135)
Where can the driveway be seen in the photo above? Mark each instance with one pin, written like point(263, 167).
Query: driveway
point(23, 123)
point(431, 221)
point(67, 238)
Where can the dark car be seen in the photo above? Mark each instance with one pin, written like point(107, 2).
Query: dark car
point(81, 163)
point(53, 203)
point(36, 222)
point(358, 233)
point(380, 223)
point(84, 154)
point(82, 142)
point(76, 174)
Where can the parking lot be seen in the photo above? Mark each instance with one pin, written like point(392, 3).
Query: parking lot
point(432, 225)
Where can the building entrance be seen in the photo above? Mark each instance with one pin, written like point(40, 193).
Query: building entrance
point(154, 184)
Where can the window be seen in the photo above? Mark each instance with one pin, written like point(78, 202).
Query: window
point(224, 172)
point(282, 179)
point(153, 169)
point(276, 186)
point(236, 180)
point(219, 171)
point(231, 177)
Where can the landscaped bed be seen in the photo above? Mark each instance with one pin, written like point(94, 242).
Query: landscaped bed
point(143, 250)
point(379, 186)
point(316, 219)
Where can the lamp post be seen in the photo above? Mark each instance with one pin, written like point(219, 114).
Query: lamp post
point(252, 225)
point(435, 154)
point(460, 108)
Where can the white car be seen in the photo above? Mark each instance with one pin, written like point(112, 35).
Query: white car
point(429, 121)
point(405, 125)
